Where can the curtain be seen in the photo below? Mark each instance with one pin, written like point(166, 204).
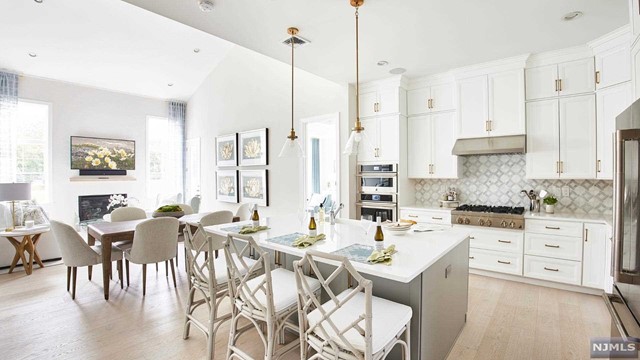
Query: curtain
point(177, 117)
point(8, 108)
point(315, 165)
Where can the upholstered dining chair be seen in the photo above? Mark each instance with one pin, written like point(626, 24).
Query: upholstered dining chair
point(207, 282)
point(266, 301)
point(351, 325)
point(77, 253)
point(128, 213)
point(187, 209)
point(244, 211)
point(154, 240)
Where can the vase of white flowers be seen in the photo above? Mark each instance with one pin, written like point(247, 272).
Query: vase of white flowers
point(117, 201)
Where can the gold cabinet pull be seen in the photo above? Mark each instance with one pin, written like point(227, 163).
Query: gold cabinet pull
point(504, 262)
point(472, 257)
point(486, 125)
point(436, 218)
point(559, 84)
point(490, 125)
point(433, 169)
point(505, 241)
point(599, 166)
point(557, 167)
point(552, 227)
point(413, 216)
point(550, 269)
point(561, 167)
point(598, 77)
point(552, 246)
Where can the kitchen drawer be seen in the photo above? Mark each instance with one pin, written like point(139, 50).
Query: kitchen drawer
point(559, 247)
point(564, 271)
point(499, 240)
point(427, 216)
point(498, 261)
point(551, 227)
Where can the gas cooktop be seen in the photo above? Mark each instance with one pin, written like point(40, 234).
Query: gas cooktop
point(506, 217)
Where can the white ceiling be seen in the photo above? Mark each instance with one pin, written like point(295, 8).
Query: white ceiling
point(423, 36)
point(106, 44)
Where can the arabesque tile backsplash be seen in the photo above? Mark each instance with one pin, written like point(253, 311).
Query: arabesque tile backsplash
point(498, 179)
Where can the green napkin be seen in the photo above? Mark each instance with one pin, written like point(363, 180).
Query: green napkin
point(250, 229)
point(382, 256)
point(306, 240)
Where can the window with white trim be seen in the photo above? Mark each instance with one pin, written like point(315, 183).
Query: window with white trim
point(163, 178)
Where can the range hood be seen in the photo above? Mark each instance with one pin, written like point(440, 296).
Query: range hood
point(514, 144)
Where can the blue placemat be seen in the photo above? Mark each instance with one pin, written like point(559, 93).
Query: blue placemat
point(286, 240)
point(233, 229)
point(356, 252)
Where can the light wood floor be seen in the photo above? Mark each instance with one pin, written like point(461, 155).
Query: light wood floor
point(39, 320)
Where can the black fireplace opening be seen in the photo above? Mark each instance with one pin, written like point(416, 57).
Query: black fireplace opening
point(94, 207)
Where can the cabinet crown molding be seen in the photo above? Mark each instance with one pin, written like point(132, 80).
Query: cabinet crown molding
point(618, 37)
point(398, 81)
point(559, 56)
point(430, 80)
point(506, 64)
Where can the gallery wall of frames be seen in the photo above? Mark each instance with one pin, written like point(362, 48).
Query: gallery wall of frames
point(239, 176)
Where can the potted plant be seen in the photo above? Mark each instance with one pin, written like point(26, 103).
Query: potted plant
point(168, 211)
point(550, 204)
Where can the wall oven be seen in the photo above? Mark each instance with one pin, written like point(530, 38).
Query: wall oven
point(377, 191)
point(386, 211)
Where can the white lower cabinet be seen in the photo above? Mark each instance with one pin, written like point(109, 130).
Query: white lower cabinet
point(440, 217)
point(559, 247)
point(544, 268)
point(594, 260)
point(499, 261)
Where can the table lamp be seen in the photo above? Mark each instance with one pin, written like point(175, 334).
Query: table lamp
point(14, 192)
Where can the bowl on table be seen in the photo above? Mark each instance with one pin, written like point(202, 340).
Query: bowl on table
point(397, 228)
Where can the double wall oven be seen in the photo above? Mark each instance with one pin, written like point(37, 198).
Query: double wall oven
point(377, 191)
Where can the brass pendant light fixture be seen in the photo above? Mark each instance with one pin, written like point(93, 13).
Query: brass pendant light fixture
point(291, 147)
point(357, 133)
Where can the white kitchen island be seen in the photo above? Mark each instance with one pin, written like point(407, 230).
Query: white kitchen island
point(430, 273)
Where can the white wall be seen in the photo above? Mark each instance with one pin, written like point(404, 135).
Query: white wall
point(249, 91)
point(79, 110)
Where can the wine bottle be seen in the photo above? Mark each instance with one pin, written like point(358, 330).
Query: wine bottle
point(255, 217)
point(312, 225)
point(379, 236)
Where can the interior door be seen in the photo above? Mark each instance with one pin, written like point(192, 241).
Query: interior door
point(473, 110)
point(420, 144)
point(577, 77)
point(418, 101)
point(506, 103)
point(445, 165)
point(578, 137)
point(541, 82)
point(610, 103)
point(442, 97)
point(543, 145)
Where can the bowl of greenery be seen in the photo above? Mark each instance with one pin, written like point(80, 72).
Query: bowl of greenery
point(550, 204)
point(168, 211)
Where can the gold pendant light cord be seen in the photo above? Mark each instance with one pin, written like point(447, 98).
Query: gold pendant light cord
point(358, 128)
point(293, 32)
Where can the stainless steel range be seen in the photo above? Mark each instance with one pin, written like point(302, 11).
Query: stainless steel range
point(504, 217)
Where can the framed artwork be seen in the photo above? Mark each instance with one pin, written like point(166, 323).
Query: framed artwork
point(253, 147)
point(102, 154)
point(254, 187)
point(227, 150)
point(227, 185)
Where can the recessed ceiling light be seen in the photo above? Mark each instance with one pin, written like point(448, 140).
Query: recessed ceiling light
point(33, 54)
point(398, 71)
point(196, 50)
point(572, 15)
point(170, 84)
point(38, 1)
point(383, 63)
point(206, 5)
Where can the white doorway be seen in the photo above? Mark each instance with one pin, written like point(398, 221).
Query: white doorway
point(321, 141)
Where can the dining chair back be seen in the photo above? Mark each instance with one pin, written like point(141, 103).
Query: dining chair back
point(217, 218)
point(343, 327)
point(128, 213)
point(187, 209)
point(244, 211)
point(155, 240)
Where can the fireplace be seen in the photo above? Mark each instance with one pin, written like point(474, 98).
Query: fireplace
point(94, 207)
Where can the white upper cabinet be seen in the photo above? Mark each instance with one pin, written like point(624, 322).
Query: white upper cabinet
point(543, 139)
point(389, 101)
point(635, 69)
point(367, 151)
point(578, 137)
point(368, 103)
point(431, 99)
point(473, 107)
point(388, 139)
point(634, 8)
point(431, 139)
point(610, 102)
point(576, 77)
point(541, 82)
point(506, 103)
point(613, 66)
point(568, 78)
point(380, 100)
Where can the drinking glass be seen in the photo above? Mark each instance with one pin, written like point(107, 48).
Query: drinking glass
point(302, 216)
point(366, 221)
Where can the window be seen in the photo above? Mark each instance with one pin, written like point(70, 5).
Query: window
point(164, 178)
point(25, 154)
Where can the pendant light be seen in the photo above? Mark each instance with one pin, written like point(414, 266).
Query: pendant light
point(357, 133)
point(292, 147)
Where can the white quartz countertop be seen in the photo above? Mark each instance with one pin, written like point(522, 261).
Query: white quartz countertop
point(425, 208)
point(416, 251)
point(595, 218)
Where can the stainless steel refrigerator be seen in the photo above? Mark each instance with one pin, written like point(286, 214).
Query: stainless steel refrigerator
point(624, 302)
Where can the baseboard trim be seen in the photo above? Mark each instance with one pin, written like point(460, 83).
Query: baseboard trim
point(550, 284)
